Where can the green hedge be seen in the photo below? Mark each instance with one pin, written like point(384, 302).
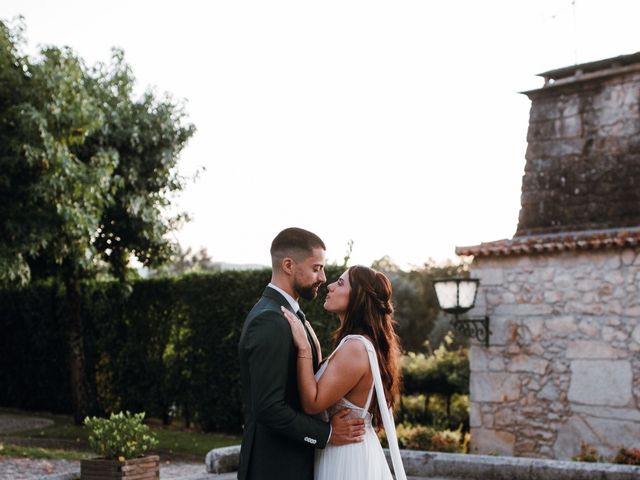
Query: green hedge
point(159, 345)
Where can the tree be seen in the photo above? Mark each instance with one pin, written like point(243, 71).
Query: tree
point(85, 175)
point(187, 261)
point(416, 305)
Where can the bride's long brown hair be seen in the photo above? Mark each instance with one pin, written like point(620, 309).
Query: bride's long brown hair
point(370, 313)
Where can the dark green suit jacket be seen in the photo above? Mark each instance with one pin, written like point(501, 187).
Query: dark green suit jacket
point(279, 440)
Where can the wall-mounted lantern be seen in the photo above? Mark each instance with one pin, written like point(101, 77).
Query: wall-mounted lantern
point(457, 296)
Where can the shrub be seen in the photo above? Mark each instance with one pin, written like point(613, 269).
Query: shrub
point(422, 437)
point(121, 436)
point(444, 372)
point(163, 345)
point(628, 456)
point(447, 441)
point(587, 454)
point(432, 410)
point(414, 437)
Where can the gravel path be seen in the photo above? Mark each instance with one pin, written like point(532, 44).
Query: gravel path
point(14, 468)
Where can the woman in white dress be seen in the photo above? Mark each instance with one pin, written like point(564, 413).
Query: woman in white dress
point(366, 360)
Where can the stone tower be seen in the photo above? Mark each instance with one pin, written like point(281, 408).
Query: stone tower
point(563, 295)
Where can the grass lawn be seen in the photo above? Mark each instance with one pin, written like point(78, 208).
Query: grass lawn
point(47, 453)
point(172, 440)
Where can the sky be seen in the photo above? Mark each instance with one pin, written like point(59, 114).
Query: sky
point(397, 125)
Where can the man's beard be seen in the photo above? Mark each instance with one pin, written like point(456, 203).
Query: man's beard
point(308, 292)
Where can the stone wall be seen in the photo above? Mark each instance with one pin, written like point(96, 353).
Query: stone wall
point(563, 366)
point(583, 157)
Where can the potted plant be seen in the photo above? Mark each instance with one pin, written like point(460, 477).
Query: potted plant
point(121, 441)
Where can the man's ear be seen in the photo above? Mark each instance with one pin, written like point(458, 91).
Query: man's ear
point(287, 265)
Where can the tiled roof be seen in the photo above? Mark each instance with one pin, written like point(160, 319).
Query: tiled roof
point(556, 242)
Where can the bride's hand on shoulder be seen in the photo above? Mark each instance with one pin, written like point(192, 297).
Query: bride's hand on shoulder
point(297, 330)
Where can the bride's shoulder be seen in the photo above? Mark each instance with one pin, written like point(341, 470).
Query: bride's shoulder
point(361, 339)
point(355, 345)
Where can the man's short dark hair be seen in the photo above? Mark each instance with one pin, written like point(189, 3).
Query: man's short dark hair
point(294, 242)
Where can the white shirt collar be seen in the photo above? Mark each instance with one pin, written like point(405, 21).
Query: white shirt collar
point(294, 305)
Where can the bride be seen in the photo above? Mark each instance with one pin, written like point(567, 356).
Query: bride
point(366, 360)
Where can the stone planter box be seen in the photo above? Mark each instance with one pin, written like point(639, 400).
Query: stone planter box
point(145, 468)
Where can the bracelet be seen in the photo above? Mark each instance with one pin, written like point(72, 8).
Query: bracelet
point(304, 356)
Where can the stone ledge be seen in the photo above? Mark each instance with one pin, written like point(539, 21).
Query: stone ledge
point(223, 460)
point(419, 464)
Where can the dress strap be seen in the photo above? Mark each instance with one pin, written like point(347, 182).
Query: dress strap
point(369, 347)
point(387, 417)
point(365, 409)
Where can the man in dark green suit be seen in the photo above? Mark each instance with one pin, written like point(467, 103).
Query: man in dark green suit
point(279, 440)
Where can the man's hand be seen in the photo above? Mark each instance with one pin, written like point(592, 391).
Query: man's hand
point(346, 430)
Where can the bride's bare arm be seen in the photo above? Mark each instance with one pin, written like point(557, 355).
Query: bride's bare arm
point(347, 367)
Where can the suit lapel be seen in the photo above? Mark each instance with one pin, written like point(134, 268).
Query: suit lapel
point(277, 297)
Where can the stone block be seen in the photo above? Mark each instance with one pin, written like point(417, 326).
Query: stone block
point(583, 308)
point(492, 441)
point(503, 417)
point(501, 330)
point(553, 296)
point(611, 413)
point(547, 273)
point(524, 309)
point(496, 364)
point(478, 359)
point(570, 436)
point(535, 327)
point(614, 434)
point(489, 276)
point(527, 364)
point(568, 126)
point(222, 460)
point(588, 349)
point(612, 261)
point(636, 334)
point(563, 281)
point(589, 327)
point(601, 382)
point(614, 277)
point(632, 312)
point(610, 334)
point(494, 387)
point(561, 324)
point(628, 256)
point(475, 416)
point(549, 392)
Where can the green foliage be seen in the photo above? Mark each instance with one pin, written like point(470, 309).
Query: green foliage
point(167, 346)
point(171, 439)
point(122, 435)
point(416, 305)
point(9, 450)
point(86, 172)
point(444, 371)
point(587, 453)
point(91, 165)
point(421, 437)
point(628, 456)
point(432, 410)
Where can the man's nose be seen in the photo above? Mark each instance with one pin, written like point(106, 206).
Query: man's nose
point(323, 277)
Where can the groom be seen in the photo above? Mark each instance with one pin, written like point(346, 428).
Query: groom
point(278, 441)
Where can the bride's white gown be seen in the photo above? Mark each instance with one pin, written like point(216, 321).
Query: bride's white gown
point(364, 460)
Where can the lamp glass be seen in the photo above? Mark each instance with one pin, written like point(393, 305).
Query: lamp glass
point(447, 293)
point(467, 293)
